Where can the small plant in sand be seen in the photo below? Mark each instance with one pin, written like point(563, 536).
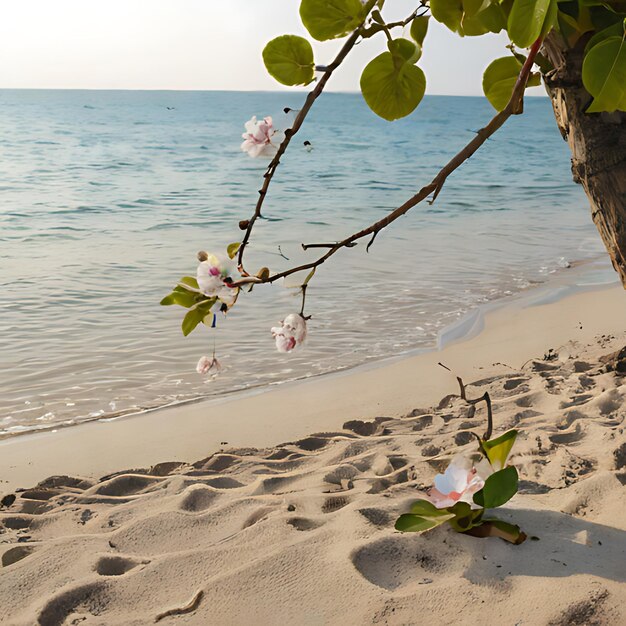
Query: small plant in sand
point(471, 485)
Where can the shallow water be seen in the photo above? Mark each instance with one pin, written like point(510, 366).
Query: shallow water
point(107, 196)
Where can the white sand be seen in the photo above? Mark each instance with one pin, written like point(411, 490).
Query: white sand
point(302, 533)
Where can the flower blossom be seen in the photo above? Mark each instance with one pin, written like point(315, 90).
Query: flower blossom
point(206, 364)
point(213, 274)
point(459, 482)
point(258, 137)
point(291, 333)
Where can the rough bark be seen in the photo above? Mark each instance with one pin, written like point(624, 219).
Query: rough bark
point(598, 145)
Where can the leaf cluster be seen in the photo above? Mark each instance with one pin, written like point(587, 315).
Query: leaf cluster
point(393, 84)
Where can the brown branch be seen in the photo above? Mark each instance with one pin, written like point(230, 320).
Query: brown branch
point(307, 246)
point(484, 398)
point(514, 107)
point(191, 606)
point(289, 133)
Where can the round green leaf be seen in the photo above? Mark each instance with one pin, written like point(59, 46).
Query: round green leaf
point(499, 488)
point(499, 80)
point(604, 75)
point(390, 91)
point(404, 51)
point(419, 28)
point(471, 7)
point(289, 59)
point(408, 523)
point(448, 12)
point(329, 19)
point(526, 20)
point(490, 19)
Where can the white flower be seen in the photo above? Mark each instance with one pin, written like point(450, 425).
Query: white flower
point(206, 364)
point(291, 333)
point(458, 483)
point(258, 137)
point(213, 274)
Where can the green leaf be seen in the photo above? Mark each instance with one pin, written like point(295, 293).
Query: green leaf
point(490, 19)
point(464, 516)
point(448, 12)
point(498, 449)
point(392, 89)
point(196, 314)
point(604, 75)
point(329, 19)
point(232, 249)
point(404, 51)
point(427, 509)
point(497, 528)
point(423, 515)
point(616, 29)
point(419, 28)
point(289, 59)
point(527, 19)
point(499, 488)
point(191, 281)
point(408, 523)
point(499, 80)
point(181, 297)
point(472, 26)
point(471, 7)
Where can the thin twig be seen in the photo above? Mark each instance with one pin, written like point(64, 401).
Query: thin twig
point(306, 246)
point(514, 107)
point(484, 398)
point(191, 606)
point(289, 133)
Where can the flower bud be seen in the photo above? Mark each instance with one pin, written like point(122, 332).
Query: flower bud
point(202, 256)
point(243, 225)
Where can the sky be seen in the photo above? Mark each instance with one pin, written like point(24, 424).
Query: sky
point(200, 44)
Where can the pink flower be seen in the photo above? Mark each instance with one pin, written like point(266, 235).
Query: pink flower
point(258, 137)
point(291, 333)
point(213, 274)
point(206, 364)
point(458, 483)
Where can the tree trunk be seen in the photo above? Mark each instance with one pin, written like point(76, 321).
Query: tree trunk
point(598, 145)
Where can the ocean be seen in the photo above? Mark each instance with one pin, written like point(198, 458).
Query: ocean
point(106, 197)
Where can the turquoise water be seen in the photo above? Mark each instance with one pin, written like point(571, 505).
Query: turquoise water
point(107, 196)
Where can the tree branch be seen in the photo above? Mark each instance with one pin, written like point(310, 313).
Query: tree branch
point(514, 107)
point(289, 133)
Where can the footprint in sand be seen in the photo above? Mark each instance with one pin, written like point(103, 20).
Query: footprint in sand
point(13, 555)
point(514, 383)
point(91, 598)
point(364, 429)
point(334, 504)
point(197, 498)
point(395, 562)
point(576, 401)
point(303, 523)
point(377, 517)
point(620, 457)
point(117, 565)
point(423, 422)
point(126, 485)
point(568, 437)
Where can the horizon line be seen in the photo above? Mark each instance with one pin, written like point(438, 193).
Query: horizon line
point(281, 91)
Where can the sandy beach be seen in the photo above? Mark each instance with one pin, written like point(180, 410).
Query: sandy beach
point(279, 506)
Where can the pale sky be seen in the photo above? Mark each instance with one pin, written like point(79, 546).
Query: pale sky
point(199, 44)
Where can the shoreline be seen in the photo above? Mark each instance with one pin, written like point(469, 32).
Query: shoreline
point(274, 414)
point(580, 276)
